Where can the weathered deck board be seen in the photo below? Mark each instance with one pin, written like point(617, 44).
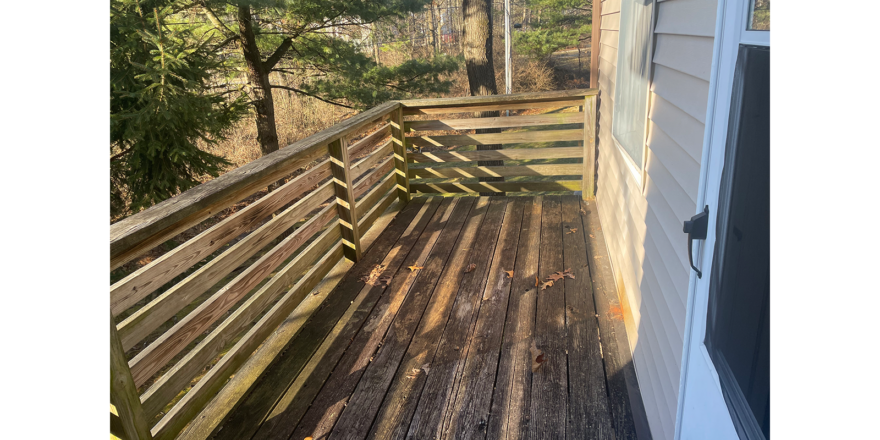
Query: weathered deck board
point(550, 381)
point(627, 409)
point(252, 411)
point(588, 412)
point(467, 418)
point(354, 407)
point(444, 353)
point(331, 399)
point(425, 399)
point(509, 417)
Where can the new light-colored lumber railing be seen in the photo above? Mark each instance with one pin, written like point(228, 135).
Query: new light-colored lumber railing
point(176, 315)
point(211, 301)
point(549, 149)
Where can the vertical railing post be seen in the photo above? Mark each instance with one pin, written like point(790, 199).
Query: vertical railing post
point(123, 393)
point(340, 167)
point(401, 168)
point(588, 189)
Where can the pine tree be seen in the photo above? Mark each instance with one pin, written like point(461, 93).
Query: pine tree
point(563, 23)
point(309, 41)
point(161, 104)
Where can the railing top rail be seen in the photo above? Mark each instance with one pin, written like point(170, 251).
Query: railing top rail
point(500, 99)
point(134, 235)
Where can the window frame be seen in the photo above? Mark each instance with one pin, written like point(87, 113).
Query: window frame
point(639, 171)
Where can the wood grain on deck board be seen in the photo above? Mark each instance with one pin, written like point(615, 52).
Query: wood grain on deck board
point(509, 417)
point(334, 380)
point(588, 412)
point(353, 368)
point(244, 421)
point(425, 398)
point(437, 285)
point(467, 417)
point(550, 382)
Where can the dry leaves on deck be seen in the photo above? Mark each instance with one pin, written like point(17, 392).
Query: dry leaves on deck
point(556, 276)
point(509, 273)
point(538, 357)
point(572, 230)
point(415, 268)
point(375, 276)
point(470, 268)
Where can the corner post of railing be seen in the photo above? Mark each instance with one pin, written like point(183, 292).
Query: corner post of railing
point(588, 188)
point(340, 167)
point(123, 392)
point(401, 168)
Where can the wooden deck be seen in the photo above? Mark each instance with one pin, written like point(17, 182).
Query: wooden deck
point(446, 349)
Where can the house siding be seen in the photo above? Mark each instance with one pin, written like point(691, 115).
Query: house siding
point(642, 223)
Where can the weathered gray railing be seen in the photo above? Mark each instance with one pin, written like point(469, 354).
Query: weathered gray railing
point(319, 220)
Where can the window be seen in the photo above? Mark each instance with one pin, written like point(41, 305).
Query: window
point(633, 75)
point(759, 15)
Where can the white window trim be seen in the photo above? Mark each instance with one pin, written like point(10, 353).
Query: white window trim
point(639, 173)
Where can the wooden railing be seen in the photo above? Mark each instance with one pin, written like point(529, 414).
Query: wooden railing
point(193, 308)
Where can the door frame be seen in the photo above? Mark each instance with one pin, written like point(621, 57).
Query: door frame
point(730, 32)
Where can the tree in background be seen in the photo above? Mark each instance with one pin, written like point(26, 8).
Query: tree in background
point(563, 23)
point(315, 43)
point(478, 59)
point(161, 104)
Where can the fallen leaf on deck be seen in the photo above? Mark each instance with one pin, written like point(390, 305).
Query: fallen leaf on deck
point(470, 268)
point(538, 357)
point(509, 273)
point(537, 281)
point(547, 284)
point(591, 236)
point(572, 230)
point(583, 212)
point(375, 276)
point(556, 276)
point(426, 368)
point(412, 375)
point(415, 268)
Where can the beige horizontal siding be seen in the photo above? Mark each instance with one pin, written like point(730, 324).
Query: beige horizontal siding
point(642, 220)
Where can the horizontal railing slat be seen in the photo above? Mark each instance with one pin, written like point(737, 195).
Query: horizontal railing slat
point(141, 232)
point(499, 99)
point(369, 200)
point(170, 384)
point(368, 162)
point(147, 279)
point(374, 176)
point(573, 102)
point(503, 154)
point(443, 188)
point(161, 351)
point(497, 138)
point(266, 332)
point(497, 122)
point(139, 325)
point(370, 141)
point(568, 169)
point(376, 211)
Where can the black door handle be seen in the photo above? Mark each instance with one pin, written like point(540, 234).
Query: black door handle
point(696, 229)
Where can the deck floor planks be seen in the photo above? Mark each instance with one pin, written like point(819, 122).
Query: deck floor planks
point(468, 417)
point(295, 402)
point(588, 412)
point(430, 400)
point(627, 409)
point(349, 374)
point(550, 382)
point(509, 417)
point(244, 420)
point(437, 284)
point(351, 370)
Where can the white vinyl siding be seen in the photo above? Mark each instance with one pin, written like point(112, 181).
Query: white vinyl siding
point(642, 220)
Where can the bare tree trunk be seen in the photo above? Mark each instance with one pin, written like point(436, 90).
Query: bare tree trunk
point(480, 67)
point(434, 30)
point(261, 88)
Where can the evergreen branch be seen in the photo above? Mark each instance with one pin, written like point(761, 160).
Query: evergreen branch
point(275, 57)
point(216, 21)
point(309, 94)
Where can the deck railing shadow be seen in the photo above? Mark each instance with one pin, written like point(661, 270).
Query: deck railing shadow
point(209, 336)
